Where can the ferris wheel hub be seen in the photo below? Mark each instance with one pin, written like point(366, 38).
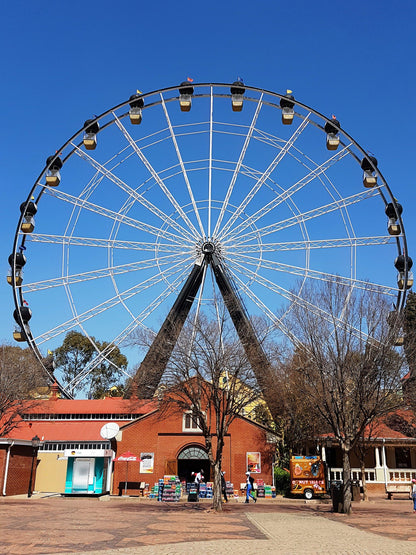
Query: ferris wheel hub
point(208, 247)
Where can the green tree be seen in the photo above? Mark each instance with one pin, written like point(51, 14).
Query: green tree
point(101, 364)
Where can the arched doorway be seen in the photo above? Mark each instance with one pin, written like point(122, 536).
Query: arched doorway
point(193, 458)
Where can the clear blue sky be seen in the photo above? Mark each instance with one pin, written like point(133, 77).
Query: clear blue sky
point(62, 62)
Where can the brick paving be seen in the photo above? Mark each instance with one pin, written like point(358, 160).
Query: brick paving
point(124, 526)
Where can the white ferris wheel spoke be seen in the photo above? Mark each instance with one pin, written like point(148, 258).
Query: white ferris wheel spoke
point(238, 166)
point(101, 273)
point(288, 193)
point(211, 113)
point(133, 194)
point(110, 303)
point(122, 337)
point(71, 240)
point(313, 274)
point(156, 177)
point(300, 301)
point(321, 210)
point(313, 244)
point(277, 322)
point(182, 165)
point(272, 166)
point(115, 216)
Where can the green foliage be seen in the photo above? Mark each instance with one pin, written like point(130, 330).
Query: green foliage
point(77, 351)
point(281, 480)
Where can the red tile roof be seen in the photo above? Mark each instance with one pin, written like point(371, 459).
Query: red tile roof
point(115, 405)
point(397, 425)
point(404, 418)
point(72, 430)
point(59, 431)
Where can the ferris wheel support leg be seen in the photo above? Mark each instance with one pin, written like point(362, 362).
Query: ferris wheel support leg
point(254, 351)
point(151, 369)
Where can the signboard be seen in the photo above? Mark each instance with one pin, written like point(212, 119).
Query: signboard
point(147, 463)
point(253, 462)
point(88, 453)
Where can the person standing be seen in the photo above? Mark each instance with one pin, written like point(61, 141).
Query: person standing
point(250, 488)
point(224, 486)
point(199, 478)
point(414, 494)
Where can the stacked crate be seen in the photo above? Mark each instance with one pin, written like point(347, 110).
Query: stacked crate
point(202, 491)
point(171, 489)
point(160, 489)
point(229, 488)
point(154, 492)
point(260, 488)
point(208, 491)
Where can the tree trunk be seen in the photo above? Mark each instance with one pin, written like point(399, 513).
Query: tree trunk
point(217, 499)
point(364, 483)
point(346, 475)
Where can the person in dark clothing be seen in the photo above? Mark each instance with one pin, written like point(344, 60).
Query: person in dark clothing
point(250, 488)
point(224, 487)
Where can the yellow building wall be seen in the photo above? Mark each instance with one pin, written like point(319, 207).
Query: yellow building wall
point(51, 472)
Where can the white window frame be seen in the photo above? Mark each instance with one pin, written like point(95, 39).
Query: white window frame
point(194, 428)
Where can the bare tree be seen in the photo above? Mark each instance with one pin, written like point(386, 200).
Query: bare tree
point(298, 424)
point(209, 374)
point(346, 361)
point(20, 377)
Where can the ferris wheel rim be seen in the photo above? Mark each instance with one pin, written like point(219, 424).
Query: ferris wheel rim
point(401, 246)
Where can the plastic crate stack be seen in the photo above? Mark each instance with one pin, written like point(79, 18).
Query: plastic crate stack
point(268, 492)
point(171, 489)
point(202, 491)
point(260, 488)
point(209, 492)
point(154, 492)
point(160, 489)
point(229, 488)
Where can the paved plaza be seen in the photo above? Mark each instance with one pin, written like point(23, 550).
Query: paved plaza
point(110, 525)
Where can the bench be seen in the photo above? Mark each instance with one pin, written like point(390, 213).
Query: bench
point(140, 486)
point(401, 488)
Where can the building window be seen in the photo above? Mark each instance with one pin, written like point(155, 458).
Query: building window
point(190, 422)
point(403, 457)
point(194, 452)
point(70, 416)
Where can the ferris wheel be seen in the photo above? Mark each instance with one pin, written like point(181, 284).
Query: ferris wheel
point(194, 195)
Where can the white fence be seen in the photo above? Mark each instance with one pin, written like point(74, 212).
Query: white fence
point(370, 474)
point(395, 475)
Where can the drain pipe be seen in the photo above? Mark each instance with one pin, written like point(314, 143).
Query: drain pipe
point(6, 470)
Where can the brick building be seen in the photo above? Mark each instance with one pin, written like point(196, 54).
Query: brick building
point(170, 442)
point(16, 464)
point(69, 433)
